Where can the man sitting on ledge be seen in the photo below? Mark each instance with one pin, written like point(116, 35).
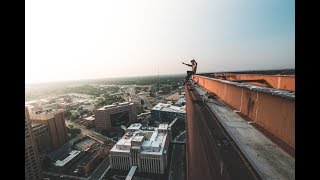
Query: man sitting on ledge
point(194, 69)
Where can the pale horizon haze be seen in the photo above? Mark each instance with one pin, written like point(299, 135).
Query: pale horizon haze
point(82, 39)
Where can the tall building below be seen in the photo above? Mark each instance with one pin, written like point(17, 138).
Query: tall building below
point(32, 162)
point(167, 112)
point(115, 115)
point(55, 122)
point(144, 147)
point(42, 139)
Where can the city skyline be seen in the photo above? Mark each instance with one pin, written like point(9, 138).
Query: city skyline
point(164, 131)
point(72, 40)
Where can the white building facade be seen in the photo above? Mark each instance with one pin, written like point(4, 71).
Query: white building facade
point(145, 148)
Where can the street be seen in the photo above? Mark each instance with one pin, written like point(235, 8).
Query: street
point(89, 132)
point(100, 170)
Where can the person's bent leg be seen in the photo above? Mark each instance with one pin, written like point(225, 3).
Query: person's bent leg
point(189, 73)
point(187, 77)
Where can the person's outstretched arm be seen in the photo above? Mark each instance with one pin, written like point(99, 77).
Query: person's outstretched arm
point(186, 64)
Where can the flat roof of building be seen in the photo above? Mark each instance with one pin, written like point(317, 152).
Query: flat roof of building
point(138, 138)
point(135, 126)
point(44, 115)
point(63, 162)
point(92, 152)
point(115, 105)
point(90, 118)
point(64, 148)
point(85, 144)
point(163, 126)
point(169, 108)
point(31, 102)
point(181, 100)
point(174, 97)
point(152, 141)
point(33, 125)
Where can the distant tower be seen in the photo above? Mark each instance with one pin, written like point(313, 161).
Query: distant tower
point(158, 84)
point(158, 90)
point(32, 166)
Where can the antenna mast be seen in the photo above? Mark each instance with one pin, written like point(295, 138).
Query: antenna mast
point(158, 91)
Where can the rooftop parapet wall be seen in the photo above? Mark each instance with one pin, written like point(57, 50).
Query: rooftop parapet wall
point(272, 109)
point(276, 81)
point(210, 153)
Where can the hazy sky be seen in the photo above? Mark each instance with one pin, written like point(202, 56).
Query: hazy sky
point(85, 39)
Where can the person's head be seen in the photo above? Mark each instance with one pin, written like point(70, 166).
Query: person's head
point(193, 61)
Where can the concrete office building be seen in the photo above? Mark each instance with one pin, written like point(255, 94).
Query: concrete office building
point(55, 122)
point(115, 115)
point(144, 147)
point(32, 162)
point(167, 112)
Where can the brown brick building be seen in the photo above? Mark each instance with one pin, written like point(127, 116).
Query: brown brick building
point(32, 162)
point(115, 115)
point(42, 139)
point(55, 122)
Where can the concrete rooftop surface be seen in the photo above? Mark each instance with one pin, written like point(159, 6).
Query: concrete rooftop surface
point(240, 126)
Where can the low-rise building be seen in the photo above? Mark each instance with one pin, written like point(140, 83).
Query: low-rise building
point(79, 156)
